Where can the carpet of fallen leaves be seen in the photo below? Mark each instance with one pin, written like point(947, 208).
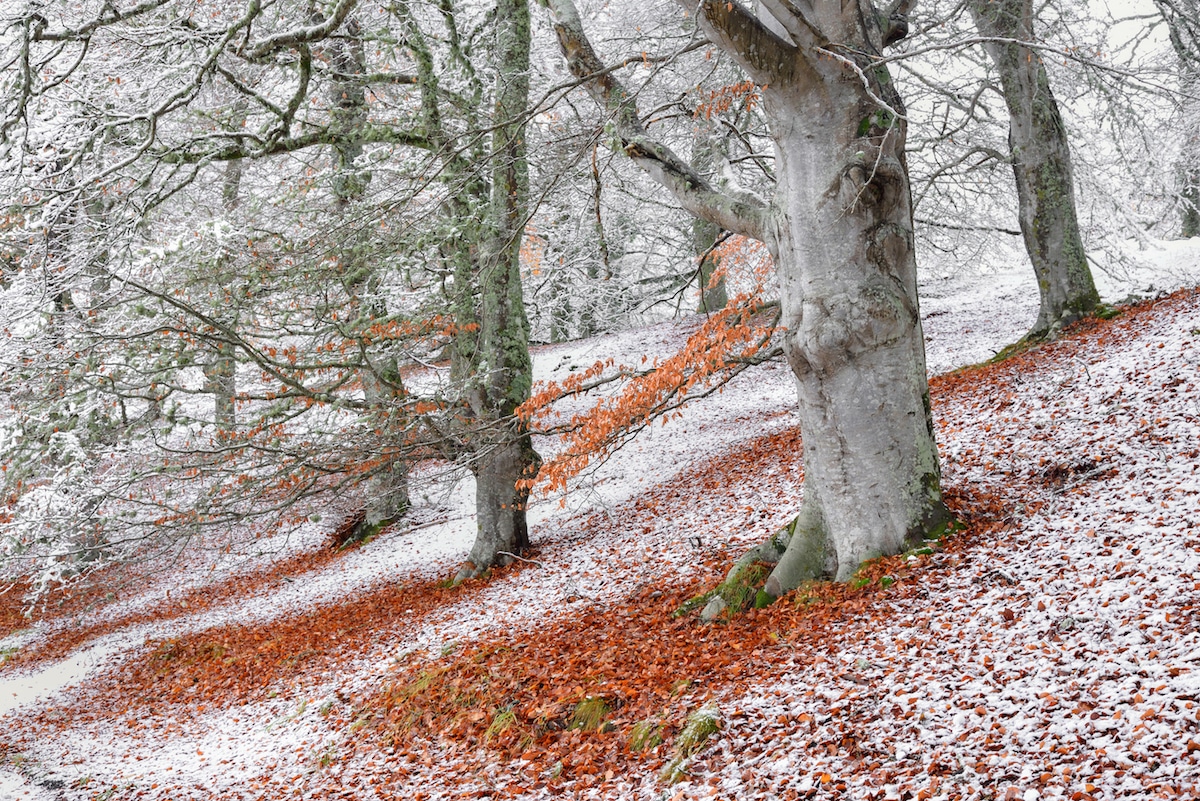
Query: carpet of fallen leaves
point(73, 609)
point(1030, 655)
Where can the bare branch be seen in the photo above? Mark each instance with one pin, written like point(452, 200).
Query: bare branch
point(659, 161)
point(306, 35)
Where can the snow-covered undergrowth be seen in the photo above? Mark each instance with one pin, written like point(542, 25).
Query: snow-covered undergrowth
point(1056, 658)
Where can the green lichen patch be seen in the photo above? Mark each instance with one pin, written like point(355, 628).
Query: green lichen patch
point(950, 526)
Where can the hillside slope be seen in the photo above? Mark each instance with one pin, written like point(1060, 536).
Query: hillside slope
point(1049, 650)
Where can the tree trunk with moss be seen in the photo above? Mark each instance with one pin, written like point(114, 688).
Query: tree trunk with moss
point(386, 473)
point(840, 231)
point(498, 370)
point(1041, 160)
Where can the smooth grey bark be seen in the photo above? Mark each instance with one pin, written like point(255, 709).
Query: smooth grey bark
point(501, 369)
point(840, 230)
point(1041, 160)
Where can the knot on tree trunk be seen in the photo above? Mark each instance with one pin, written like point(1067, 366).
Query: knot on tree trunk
point(833, 330)
point(871, 181)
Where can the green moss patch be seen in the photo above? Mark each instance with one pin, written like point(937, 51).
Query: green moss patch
point(740, 591)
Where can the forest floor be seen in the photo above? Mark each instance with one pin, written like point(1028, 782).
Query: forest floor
point(1050, 649)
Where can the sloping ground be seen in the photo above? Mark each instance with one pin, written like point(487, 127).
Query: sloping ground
point(1046, 651)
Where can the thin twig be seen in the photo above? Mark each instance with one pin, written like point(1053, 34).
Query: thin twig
point(522, 558)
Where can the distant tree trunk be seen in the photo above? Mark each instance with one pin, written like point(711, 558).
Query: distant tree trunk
point(1041, 159)
point(222, 371)
point(840, 231)
point(387, 477)
point(387, 482)
point(1183, 27)
point(559, 301)
point(704, 239)
point(1189, 191)
point(597, 208)
point(501, 367)
point(592, 299)
point(704, 234)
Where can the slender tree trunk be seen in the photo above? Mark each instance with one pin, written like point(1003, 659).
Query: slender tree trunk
point(1041, 159)
point(705, 153)
point(594, 299)
point(704, 239)
point(386, 485)
point(222, 371)
point(1189, 192)
point(1183, 28)
point(502, 368)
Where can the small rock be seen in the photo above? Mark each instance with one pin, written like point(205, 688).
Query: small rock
point(712, 609)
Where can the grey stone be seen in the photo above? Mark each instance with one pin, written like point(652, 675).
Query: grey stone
point(714, 607)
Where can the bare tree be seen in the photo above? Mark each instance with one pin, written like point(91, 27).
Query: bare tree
point(339, 142)
point(1041, 163)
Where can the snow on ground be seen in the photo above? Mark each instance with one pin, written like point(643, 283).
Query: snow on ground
point(1063, 660)
point(1072, 629)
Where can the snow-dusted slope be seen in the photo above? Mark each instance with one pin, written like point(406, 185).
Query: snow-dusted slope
point(1084, 611)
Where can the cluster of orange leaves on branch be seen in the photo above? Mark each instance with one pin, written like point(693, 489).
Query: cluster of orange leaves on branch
point(720, 348)
point(723, 99)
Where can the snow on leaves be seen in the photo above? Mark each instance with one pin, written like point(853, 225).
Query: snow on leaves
point(1049, 650)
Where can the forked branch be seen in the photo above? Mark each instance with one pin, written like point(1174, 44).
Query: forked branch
point(658, 160)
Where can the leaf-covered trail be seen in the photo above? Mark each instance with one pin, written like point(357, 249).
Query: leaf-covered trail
point(1048, 651)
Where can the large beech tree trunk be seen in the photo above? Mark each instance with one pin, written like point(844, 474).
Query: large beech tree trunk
point(840, 230)
point(844, 253)
point(1041, 160)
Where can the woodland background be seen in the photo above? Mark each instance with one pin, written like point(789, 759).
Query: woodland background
point(353, 296)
